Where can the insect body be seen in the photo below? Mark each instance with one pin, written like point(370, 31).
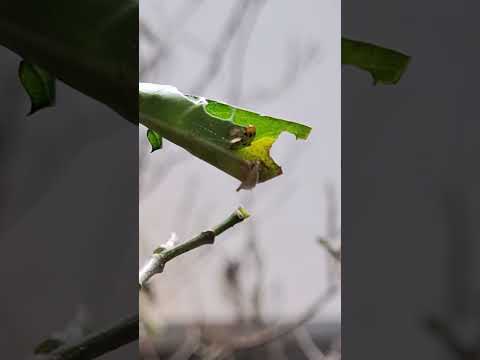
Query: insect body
point(242, 136)
point(250, 131)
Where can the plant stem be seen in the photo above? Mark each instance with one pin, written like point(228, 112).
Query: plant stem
point(126, 331)
point(95, 345)
point(163, 255)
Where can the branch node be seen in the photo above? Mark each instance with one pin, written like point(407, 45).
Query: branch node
point(155, 265)
point(172, 249)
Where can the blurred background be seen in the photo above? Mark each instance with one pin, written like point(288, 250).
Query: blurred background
point(410, 177)
point(410, 185)
point(68, 217)
point(268, 284)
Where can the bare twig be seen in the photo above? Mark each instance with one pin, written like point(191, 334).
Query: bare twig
point(163, 254)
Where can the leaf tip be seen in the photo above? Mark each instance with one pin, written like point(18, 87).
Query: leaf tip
point(155, 140)
point(39, 85)
point(305, 134)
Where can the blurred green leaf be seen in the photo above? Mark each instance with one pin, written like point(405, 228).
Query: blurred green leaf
point(154, 139)
point(235, 140)
point(90, 45)
point(385, 65)
point(38, 84)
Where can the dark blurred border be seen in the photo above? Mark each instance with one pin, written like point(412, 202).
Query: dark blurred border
point(68, 216)
point(410, 186)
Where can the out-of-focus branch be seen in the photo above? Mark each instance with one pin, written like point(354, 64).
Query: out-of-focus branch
point(259, 275)
point(164, 254)
point(276, 331)
point(297, 64)
point(189, 347)
point(277, 351)
point(233, 288)
point(336, 253)
point(145, 31)
point(97, 344)
point(240, 51)
point(307, 345)
point(237, 16)
point(445, 332)
point(175, 27)
point(269, 334)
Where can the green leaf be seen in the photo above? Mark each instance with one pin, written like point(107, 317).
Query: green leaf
point(235, 140)
point(38, 84)
point(154, 139)
point(385, 65)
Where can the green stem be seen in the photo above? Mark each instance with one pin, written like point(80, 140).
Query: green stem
point(95, 345)
point(126, 331)
point(161, 256)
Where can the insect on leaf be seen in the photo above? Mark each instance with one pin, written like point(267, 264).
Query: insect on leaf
point(39, 85)
point(236, 141)
point(154, 139)
point(385, 65)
